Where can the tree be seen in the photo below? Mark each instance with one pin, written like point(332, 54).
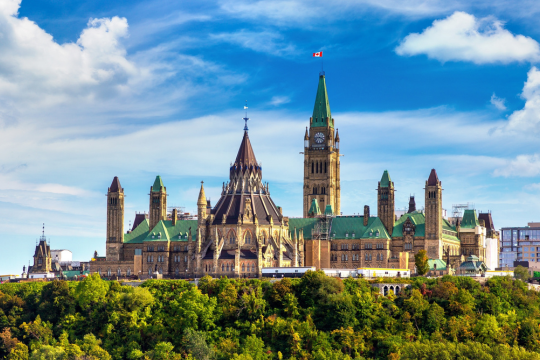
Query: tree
point(90, 291)
point(421, 262)
point(521, 273)
point(19, 352)
point(195, 344)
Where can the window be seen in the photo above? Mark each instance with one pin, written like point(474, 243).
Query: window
point(109, 272)
point(177, 271)
point(227, 267)
point(248, 238)
point(149, 271)
point(150, 248)
point(346, 234)
point(231, 238)
point(118, 272)
point(344, 246)
point(380, 246)
point(243, 267)
point(325, 167)
point(40, 261)
point(367, 246)
point(252, 267)
point(186, 248)
point(368, 257)
point(128, 272)
point(312, 166)
point(185, 259)
point(222, 267)
point(161, 248)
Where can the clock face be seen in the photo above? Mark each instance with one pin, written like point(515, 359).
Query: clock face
point(319, 138)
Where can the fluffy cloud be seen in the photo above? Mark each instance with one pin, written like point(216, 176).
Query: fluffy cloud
point(527, 120)
point(498, 102)
point(522, 165)
point(36, 68)
point(463, 37)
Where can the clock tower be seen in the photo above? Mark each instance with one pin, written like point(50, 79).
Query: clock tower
point(321, 156)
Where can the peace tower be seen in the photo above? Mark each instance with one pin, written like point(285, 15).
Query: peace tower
point(321, 156)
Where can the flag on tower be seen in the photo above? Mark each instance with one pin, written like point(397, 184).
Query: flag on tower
point(317, 54)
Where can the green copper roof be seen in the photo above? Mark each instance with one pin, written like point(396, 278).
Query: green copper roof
point(417, 218)
point(375, 229)
point(470, 220)
point(179, 232)
point(138, 234)
point(328, 210)
point(314, 209)
point(321, 111)
point(158, 184)
point(385, 180)
point(304, 225)
point(441, 265)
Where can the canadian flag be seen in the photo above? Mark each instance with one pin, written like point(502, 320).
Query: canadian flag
point(317, 54)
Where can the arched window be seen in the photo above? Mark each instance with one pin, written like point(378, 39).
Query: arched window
point(323, 190)
point(109, 272)
point(243, 267)
point(231, 238)
point(177, 271)
point(118, 272)
point(252, 267)
point(222, 267)
point(312, 166)
point(150, 271)
point(128, 272)
point(314, 190)
point(227, 267)
point(317, 167)
point(248, 237)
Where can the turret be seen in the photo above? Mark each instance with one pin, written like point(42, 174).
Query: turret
point(115, 220)
point(385, 202)
point(158, 202)
point(201, 206)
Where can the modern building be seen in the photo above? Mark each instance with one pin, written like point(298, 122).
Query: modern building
point(519, 244)
point(245, 231)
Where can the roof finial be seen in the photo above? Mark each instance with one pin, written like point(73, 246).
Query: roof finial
point(246, 118)
point(43, 232)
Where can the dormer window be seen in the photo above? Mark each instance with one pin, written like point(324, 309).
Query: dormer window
point(377, 233)
point(353, 235)
point(346, 235)
point(159, 236)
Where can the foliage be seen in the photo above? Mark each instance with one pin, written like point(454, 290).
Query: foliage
point(421, 262)
point(521, 273)
point(312, 318)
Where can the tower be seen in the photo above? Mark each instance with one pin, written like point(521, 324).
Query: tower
point(42, 256)
point(201, 207)
point(433, 216)
point(115, 220)
point(385, 202)
point(412, 204)
point(321, 156)
point(158, 202)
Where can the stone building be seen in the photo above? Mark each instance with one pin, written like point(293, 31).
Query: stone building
point(246, 231)
point(242, 233)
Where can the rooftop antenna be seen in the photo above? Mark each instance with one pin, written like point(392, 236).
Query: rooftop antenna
point(246, 118)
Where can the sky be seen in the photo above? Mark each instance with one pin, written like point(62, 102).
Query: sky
point(90, 90)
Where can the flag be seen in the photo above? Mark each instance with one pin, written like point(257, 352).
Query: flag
point(317, 54)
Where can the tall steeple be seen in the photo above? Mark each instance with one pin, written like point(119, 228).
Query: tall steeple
point(433, 204)
point(201, 206)
point(321, 156)
point(321, 111)
point(386, 202)
point(158, 202)
point(115, 220)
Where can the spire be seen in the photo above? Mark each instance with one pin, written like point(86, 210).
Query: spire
point(321, 111)
point(433, 179)
point(412, 205)
point(306, 137)
point(337, 135)
point(314, 210)
point(246, 156)
point(202, 197)
point(385, 180)
point(158, 184)
point(115, 185)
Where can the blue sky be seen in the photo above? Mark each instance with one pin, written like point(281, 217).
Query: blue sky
point(90, 90)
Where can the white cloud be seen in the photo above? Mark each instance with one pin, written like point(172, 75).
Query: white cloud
point(463, 37)
point(498, 102)
point(527, 120)
point(522, 165)
point(279, 100)
point(35, 68)
point(264, 41)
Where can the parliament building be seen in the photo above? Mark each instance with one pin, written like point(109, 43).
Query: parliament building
point(245, 230)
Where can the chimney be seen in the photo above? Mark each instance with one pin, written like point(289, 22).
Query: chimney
point(366, 215)
point(174, 216)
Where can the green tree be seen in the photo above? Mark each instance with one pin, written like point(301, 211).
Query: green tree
point(90, 291)
point(521, 273)
point(195, 344)
point(47, 352)
point(421, 262)
point(19, 352)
